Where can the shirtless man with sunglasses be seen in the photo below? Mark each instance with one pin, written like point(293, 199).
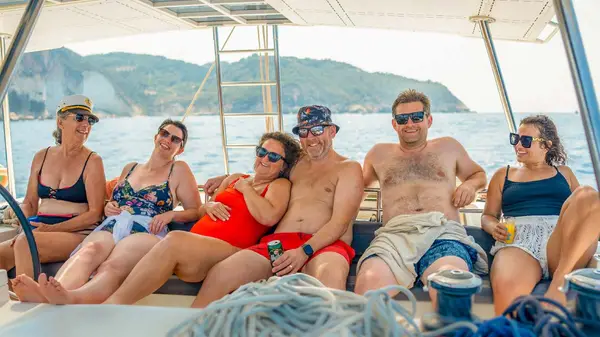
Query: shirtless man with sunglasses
point(315, 231)
point(417, 177)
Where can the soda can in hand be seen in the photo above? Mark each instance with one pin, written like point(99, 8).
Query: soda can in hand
point(275, 250)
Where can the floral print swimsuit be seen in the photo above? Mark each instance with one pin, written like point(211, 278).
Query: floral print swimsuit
point(148, 201)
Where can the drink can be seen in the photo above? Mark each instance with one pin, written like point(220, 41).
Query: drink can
point(275, 250)
point(509, 223)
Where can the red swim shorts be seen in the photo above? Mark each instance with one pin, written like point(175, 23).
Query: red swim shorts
point(295, 240)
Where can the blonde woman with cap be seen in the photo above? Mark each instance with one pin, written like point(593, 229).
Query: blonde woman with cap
point(65, 194)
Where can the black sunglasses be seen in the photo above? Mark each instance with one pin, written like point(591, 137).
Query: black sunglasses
point(174, 139)
point(79, 117)
point(272, 156)
point(525, 140)
point(315, 130)
point(416, 117)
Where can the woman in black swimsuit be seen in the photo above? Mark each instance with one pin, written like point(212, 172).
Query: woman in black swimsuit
point(69, 180)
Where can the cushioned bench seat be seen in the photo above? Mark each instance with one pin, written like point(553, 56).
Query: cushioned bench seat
point(363, 234)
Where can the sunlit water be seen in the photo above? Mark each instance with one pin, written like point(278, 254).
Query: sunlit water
point(124, 140)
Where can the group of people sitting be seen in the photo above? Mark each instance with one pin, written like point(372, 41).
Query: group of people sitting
point(305, 195)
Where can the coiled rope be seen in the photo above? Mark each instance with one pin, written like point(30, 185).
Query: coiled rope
point(300, 305)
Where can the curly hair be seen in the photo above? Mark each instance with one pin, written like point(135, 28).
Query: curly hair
point(556, 154)
point(409, 96)
point(178, 125)
point(291, 147)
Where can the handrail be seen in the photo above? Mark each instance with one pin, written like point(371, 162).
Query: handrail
point(206, 196)
point(379, 208)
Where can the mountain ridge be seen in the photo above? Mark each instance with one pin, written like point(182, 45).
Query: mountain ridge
point(125, 84)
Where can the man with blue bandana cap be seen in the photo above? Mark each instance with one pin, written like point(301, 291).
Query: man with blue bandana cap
point(316, 230)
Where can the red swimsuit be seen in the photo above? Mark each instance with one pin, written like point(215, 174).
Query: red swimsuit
point(241, 230)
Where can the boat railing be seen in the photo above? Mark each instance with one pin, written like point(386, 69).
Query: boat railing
point(374, 195)
point(370, 212)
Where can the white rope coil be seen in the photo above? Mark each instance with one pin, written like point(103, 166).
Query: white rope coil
point(300, 305)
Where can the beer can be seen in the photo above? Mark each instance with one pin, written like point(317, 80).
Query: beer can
point(275, 250)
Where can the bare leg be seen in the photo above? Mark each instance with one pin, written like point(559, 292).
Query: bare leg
point(110, 274)
point(330, 268)
point(7, 255)
point(510, 279)
point(94, 250)
point(443, 263)
point(77, 269)
point(52, 247)
point(27, 289)
point(189, 255)
point(242, 267)
point(374, 274)
point(575, 238)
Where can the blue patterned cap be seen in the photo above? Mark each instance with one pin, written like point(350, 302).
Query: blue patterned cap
point(313, 115)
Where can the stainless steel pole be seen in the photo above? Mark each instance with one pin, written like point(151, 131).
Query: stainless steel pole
point(277, 76)
point(19, 42)
point(10, 170)
point(582, 79)
point(491, 50)
point(220, 93)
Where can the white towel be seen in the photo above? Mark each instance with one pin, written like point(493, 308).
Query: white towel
point(124, 224)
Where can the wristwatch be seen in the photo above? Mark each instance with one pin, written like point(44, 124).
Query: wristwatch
point(308, 250)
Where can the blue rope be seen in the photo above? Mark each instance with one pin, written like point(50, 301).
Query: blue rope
point(529, 312)
point(526, 317)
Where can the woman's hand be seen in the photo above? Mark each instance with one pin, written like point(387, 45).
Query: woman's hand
point(41, 227)
point(211, 185)
point(500, 233)
point(158, 223)
point(112, 208)
point(217, 210)
point(243, 185)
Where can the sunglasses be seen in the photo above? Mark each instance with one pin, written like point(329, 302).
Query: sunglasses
point(174, 139)
point(416, 117)
point(79, 117)
point(272, 156)
point(525, 140)
point(315, 130)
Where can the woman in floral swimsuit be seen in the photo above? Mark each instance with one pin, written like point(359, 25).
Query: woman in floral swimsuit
point(138, 213)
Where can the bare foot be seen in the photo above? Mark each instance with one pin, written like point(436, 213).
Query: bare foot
point(54, 291)
point(554, 294)
point(28, 290)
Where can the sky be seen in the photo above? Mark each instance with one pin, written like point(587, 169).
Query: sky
point(537, 76)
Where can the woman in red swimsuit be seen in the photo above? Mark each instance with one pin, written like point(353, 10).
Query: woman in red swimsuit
point(243, 209)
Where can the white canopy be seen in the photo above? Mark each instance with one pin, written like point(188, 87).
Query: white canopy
point(67, 21)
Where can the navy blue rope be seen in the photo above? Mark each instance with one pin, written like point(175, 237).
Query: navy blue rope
point(529, 312)
point(526, 317)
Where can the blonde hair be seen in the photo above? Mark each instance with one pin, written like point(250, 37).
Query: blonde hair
point(57, 134)
point(410, 96)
